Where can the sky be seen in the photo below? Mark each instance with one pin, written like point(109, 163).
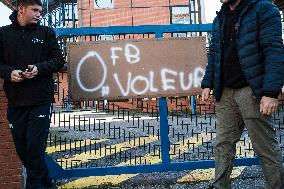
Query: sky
point(4, 14)
point(211, 6)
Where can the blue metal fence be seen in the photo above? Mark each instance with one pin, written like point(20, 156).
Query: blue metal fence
point(58, 172)
point(158, 30)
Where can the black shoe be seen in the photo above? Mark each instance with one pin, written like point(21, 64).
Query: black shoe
point(49, 184)
point(53, 186)
point(35, 187)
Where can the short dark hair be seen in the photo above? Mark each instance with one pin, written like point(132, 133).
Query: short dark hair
point(29, 2)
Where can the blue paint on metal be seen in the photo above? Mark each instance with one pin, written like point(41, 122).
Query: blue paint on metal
point(56, 170)
point(177, 166)
point(159, 35)
point(164, 126)
point(164, 129)
point(143, 29)
point(246, 161)
point(193, 104)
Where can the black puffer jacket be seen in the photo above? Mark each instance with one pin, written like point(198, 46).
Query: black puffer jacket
point(23, 46)
point(260, 49)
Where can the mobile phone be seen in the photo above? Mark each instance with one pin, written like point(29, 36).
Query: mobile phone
point(29, 69)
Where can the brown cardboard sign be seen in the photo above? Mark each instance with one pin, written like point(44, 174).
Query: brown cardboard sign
point(136, 68)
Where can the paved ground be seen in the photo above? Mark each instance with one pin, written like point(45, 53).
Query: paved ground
point(250, 178)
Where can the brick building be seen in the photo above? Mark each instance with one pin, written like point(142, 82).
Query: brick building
point(139, 12)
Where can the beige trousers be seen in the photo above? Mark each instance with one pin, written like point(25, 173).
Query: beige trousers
point(238, 109)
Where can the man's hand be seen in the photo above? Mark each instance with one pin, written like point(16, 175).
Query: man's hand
point(16, 76)
point(31, 72)
point(268, 105)
point(205, 94)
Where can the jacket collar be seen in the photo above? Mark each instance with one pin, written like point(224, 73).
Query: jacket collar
point(248, 4)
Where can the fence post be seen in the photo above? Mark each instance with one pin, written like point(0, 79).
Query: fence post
point(193, 104)
point(164, 126)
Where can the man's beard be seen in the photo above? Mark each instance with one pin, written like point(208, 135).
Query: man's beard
point(231, 2)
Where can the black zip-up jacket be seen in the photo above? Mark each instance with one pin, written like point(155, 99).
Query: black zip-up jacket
point(30, 45)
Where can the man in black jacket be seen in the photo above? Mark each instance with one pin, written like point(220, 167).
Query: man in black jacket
point(29, 55)
point(246, 72)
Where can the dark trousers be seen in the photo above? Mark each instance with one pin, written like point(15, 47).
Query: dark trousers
point(30, 126)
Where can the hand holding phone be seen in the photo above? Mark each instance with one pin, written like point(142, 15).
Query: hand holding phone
point(17, 76)
point(30, 72)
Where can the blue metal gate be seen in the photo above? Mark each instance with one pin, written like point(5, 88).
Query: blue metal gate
point(197, 118)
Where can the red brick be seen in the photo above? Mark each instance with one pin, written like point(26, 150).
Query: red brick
point(122, 13)
point(13, 185)
point(10, 165)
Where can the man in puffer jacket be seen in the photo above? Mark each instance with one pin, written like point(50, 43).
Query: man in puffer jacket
point(29, 55)
point(246, 73)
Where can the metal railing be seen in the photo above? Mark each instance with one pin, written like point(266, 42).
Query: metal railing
point(124, 140)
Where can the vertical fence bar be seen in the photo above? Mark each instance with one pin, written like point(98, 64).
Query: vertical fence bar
point(73, 14)
point(164, 126)
point(63, 14)
point(49, 16)
point(193, 104)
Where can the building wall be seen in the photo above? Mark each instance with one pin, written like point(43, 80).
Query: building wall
point(127, 12)
point(10, 165)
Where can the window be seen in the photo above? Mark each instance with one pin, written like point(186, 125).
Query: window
point(183, 15)
point(103, 4)
point(180, 15)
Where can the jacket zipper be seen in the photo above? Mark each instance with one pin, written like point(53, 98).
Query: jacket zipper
point(238, 49)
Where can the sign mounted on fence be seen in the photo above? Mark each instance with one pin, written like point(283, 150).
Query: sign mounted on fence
point(136, 68)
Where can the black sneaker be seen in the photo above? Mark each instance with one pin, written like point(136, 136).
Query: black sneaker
point(49, 184)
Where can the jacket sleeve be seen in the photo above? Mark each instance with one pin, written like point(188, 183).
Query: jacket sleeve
point(270, 37)
point(208, 79)
point(55, 60)
point(5, 70)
